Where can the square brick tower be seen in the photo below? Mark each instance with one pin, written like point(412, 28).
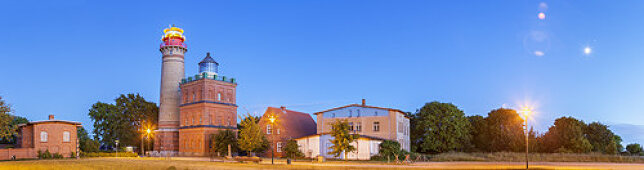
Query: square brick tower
point(208, 105)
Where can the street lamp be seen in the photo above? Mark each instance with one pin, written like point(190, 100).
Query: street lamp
point(526, 112)
point(117, 148)
point(272, 120)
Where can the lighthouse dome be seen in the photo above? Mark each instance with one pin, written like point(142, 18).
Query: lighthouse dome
point(208, 65)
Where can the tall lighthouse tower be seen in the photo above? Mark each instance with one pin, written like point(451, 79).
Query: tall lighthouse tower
point(173, 49)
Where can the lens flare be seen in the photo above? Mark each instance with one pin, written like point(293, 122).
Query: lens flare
point(542, 16)
point(588, 50)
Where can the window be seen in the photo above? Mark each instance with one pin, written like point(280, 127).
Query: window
point(219, 96)
point(278, 131)
point(376, 126)
point(194, 96)
point(200, 122)
point(193, 120)
point(269, 129)
point(358, 126)
point(400, 127)
point(43, 136)
point(350, 126)
point(279, 147)
point(350, 113)
point(66, 136)
point(358, 113)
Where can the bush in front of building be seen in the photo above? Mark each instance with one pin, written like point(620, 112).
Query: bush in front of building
point(44, 155)
point(108, 154)
point(49, 155)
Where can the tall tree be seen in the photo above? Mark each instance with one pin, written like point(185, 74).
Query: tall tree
point(9, 123)
point(86, 143)
point(122, 120)
point(292, 150)
point(221, 140)
point(634, 148)
point(440, 127)
point(251, 137)
point(566, 135)
point(342, 139)
point(505, 131)
point(601, 138)
point(480, 139)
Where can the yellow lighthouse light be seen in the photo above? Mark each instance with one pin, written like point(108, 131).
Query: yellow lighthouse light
point(173, 33)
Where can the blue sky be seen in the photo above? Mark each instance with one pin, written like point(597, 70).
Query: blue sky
point(61, 57)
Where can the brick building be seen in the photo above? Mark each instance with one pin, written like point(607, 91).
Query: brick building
point(57, 136)
point(191, 108)
point(207, 106)
point(288, 125)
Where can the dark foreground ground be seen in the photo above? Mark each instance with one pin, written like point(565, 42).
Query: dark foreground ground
point(204, 163)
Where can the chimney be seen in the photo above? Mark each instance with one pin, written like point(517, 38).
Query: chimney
point(51, 117)
point(364, 102)
point(283, 108)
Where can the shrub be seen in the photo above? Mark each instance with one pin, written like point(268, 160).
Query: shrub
point(57, 156)
point(108, 154)
point(72, 155)
point(46, 155)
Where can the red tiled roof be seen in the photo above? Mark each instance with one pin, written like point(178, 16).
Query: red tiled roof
point(297, 124)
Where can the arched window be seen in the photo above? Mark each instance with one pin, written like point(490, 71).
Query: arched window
point(43, 136)
point(66, 136)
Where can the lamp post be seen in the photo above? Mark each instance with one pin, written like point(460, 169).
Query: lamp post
point(272, 120)
point(526, 112)
point(117, 148)
point(148, 137)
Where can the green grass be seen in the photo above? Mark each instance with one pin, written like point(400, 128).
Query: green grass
point(534, 157)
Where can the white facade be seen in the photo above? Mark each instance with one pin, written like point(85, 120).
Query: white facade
point(318, 145)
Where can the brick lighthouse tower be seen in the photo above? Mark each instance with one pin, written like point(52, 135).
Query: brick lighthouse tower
point(173, 49)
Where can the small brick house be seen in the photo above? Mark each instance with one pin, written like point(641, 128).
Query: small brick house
point(57, 136)
point(288, 125)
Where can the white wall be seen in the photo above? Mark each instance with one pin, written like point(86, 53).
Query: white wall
point(317, 145)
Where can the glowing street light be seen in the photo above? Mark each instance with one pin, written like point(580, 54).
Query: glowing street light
point(526, 113)
point(541, 16)
point(272, 120)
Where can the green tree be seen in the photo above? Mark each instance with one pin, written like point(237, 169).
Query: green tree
point(389, 148)
point(440, 127)
point(601, 138)
point(122, 120)
point(9, 123)
point(342, 139)
point(86, 143)
point(480, 139)
point(292, 150)
point(566, 135)
point(251, 137)
point(634, 148)
point(221, 140)
point(504, 131)
point(618, 142)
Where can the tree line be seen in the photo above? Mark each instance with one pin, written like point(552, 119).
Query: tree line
point(443, 127)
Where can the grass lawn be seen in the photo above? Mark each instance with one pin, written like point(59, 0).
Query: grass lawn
point(202, 163)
